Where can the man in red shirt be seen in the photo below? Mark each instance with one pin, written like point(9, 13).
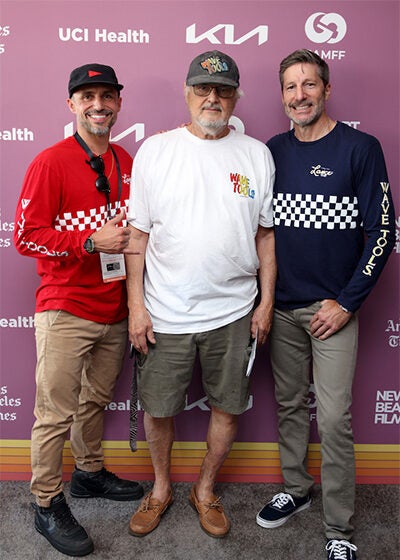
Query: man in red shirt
point(73, 198)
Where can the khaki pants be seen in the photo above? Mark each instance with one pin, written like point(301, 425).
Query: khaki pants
point(78, 362)
point(333, 361)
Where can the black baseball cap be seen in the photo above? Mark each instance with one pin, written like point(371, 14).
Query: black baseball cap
point(92, 74)
point(213, 67)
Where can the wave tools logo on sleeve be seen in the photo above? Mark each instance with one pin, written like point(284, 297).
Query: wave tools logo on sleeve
point(325, 28)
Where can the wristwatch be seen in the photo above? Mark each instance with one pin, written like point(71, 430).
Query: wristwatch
point(89, 245)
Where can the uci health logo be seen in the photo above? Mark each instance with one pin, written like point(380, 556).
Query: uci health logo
point(325, 28)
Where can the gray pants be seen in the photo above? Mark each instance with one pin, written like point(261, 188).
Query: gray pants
point(293, 350)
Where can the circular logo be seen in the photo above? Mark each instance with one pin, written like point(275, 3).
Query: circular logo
point(236, 124)
point(325, 28)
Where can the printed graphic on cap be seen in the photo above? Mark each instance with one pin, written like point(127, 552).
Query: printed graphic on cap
point(92, 73)
point(214, 64)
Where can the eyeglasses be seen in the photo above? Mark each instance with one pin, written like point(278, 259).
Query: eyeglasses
point(202, 90)
point(102, 183)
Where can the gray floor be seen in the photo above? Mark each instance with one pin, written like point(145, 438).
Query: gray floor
point(179, 536)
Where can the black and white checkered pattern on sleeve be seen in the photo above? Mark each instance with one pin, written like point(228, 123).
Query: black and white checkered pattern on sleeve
point(315, 211)
point(94, 218)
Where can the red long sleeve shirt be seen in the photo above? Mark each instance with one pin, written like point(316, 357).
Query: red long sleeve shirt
point(58, 208)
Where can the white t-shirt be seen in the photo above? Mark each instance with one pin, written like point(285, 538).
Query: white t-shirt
point(201, 202)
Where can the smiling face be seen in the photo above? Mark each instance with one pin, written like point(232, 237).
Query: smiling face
point(304, 94)
point(96, 108)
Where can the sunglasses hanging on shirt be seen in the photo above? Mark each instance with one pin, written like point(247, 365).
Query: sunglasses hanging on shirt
point(97, 164)
point(102, 182)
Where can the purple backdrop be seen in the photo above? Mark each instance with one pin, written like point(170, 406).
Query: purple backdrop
point(150, 44)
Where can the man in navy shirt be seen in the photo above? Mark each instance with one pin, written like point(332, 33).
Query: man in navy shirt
point(334, 229)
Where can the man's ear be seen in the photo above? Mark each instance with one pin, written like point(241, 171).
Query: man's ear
point(71, 105)
point(328, 89)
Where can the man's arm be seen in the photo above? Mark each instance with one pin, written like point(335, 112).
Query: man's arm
point(140, 325)
point(37, 234)
point(378, 217)
point(262, 316)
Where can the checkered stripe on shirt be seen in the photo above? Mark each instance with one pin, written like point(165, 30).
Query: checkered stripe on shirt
point(94, 219)
point(315, 211)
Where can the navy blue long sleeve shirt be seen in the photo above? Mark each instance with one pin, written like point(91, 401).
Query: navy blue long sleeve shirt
point(334, 217)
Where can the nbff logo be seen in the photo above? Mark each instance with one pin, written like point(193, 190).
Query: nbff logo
point(325, 28)
point(261, 31)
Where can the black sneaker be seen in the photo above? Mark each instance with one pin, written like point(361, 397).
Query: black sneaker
point(57, 524)
point(341, 550)
point(280, 509)
point(104, 484)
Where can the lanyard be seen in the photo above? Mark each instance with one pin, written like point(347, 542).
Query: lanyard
point(91, 155)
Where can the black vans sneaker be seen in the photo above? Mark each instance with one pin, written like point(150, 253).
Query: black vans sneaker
point(280, 509)
point(57, 524)
point(341, 550)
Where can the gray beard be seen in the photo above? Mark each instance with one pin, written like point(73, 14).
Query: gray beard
point(97, 131)
point(213, 126)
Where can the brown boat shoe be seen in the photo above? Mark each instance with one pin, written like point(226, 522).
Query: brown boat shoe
point(148, 515)
point(211, 515)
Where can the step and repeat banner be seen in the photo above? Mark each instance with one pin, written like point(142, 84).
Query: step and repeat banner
point(150, 44)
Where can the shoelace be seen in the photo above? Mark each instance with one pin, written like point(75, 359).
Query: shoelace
point(280, 500)
point(216, 504)
point(339, 549)
point(109, 475)
point(145, 505)
point(64, 518)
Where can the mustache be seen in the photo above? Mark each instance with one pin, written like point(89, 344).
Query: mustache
point(215, 106)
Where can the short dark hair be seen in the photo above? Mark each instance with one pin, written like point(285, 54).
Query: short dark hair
point(305, 56)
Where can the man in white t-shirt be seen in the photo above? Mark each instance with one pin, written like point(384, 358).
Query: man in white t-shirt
point(201, 219)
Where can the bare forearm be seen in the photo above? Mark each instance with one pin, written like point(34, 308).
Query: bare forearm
point(134, 259)
point(265, 243)
point(140, 324)
point(262, 316)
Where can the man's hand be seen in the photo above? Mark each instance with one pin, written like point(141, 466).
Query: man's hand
point(329, 319)
point(111, 238)
point(261, 322)
point(140, 329)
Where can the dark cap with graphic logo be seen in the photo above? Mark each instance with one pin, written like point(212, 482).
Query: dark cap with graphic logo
point(92, 74)
point(213, 67)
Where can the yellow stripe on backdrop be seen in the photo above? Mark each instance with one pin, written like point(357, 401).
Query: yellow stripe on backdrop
point(247, 462)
